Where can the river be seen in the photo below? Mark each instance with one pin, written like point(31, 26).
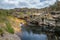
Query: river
point(31, 36)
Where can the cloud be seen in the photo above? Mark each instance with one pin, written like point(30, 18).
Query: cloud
point(8, 4)
point(42, 0)
point(58, 0)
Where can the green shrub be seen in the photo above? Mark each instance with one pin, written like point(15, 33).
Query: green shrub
point(9, 28)
point(1, 31)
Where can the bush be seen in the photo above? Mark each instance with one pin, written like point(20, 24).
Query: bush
point(1, 32)
point(9, 28)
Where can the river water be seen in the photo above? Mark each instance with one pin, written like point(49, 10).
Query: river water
point(31, 36)
point(25, 35)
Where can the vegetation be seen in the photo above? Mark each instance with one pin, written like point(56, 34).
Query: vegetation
point(9, 27)
point(1, 32)
point(3, 19)
point(56, 6)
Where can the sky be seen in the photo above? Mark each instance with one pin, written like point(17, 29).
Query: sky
point(9, 4)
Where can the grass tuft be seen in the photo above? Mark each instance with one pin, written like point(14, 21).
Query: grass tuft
point(9, 28)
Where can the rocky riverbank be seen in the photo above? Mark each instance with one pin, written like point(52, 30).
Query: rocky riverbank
point(8, 36)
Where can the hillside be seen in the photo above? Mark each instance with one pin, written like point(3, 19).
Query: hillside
point(9, 26)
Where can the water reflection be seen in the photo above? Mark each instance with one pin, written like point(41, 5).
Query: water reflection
point(30, 36)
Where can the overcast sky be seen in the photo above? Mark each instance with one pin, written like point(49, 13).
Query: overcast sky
point(8, 4)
